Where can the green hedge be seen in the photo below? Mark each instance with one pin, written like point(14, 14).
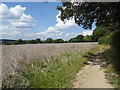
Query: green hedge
point(105, 40)
point(115, 44)
point(114, 41)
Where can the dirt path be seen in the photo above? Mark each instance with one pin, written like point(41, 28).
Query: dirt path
point(92, 75)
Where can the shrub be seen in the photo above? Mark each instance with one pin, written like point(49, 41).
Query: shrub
point(105, 40)
point(113, 41)
point(115, 44)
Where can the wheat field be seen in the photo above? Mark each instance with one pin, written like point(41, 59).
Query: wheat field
point(14, 57)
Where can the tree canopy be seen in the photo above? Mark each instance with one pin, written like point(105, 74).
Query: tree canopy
point(48, 40)
point(86, 13)
point(58, 41)
point(99, 32)
point(38, 40)
point(79, 38)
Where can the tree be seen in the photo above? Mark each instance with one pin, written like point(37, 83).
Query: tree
point(87, 38)
point(48, 40)
point(105, 14)
point(72, 40)
point(20, 41)
point(38, 40)
point(58, 41)
point(100, 32)
point(79, 38)
point(30, 42)
point(86, 13)
point(65, 41)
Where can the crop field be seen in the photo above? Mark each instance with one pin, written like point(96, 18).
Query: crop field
point(16, 57)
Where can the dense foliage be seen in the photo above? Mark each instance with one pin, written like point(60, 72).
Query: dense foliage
point(49, 40)
point(86, 13)
point(104, 14)
point(105, 40)
point(58, 41)
point(100, 32)
point(116, 49)
point(79, 38)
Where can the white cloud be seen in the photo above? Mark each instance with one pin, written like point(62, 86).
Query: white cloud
point(15, 17)
point(6, 14)
point(67, 25)
point(58, 30)
point(87, 32)
point(17, 10)
point(4, 9)
point(18, 22)
point(43, 36)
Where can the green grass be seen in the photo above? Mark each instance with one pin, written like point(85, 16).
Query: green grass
point(112, 74)
point(56, 72)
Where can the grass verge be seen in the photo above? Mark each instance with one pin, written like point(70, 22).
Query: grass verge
point(112, 74)
point(57, 72)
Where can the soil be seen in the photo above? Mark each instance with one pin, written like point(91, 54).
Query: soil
point(93, 75)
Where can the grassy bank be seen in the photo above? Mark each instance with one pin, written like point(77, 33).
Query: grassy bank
point(57, 72)
point(112, 73)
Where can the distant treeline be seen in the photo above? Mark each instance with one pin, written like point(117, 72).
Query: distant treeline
point(97, 33)
point(79, 38)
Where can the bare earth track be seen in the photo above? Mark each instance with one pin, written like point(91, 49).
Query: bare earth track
point(92, 75)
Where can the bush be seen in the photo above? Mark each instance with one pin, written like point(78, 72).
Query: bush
point(115, 44)
point(113, 40)
point(105, 40)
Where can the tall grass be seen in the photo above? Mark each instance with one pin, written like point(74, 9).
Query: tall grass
point(113, 55)
point(105, 40)
point(112, 72)
point(20, 61)
point(55, 72)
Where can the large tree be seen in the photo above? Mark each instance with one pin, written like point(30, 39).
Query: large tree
point(105, 14)
point(58, 41)
point(38, 40)
point(48, 40)
point(79, 38)
point(86, 13)
point(99, 32)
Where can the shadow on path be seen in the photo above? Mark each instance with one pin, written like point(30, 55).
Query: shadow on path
point(96, 59)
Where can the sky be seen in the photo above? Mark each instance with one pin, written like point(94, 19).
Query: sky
point(31, 20)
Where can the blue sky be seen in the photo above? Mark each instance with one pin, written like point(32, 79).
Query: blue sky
point(36, 20)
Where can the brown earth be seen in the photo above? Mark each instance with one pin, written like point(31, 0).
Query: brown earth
point(92, 75)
